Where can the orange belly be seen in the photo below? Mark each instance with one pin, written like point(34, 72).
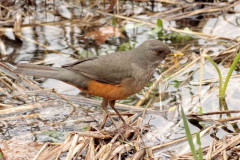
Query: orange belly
point(107, 91)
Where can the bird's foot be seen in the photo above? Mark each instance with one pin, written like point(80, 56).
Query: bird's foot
point(130, 131)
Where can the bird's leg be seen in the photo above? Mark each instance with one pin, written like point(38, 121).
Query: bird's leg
point(112, 104)
point(104, 105)
point(126, 126)
point(104, 121)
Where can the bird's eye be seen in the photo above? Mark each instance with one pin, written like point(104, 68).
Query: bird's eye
point(160, 51)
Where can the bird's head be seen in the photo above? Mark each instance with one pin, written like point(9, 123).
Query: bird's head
point(154, 51)
point(156, 48)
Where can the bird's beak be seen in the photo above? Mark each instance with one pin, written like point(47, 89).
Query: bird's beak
point(177, 53)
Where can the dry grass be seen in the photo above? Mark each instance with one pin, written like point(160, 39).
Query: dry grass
point(222, 149)
point(98, 144)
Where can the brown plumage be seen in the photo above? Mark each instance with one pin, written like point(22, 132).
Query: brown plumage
point(112, 77)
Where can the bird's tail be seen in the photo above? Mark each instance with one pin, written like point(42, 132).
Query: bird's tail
point(62, 74)
point(39, 71)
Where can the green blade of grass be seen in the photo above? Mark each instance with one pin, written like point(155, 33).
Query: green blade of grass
point(233, 66)
point(200, 152)
point(189, 135)
point(219, 74)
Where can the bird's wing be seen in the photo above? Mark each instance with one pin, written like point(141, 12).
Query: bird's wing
point(112, 69)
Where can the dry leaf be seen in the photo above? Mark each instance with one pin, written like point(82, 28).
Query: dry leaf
point(103, 33)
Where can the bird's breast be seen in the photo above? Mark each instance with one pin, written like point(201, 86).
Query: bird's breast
point(128, 87)
point(112, 91)
point(108, 91)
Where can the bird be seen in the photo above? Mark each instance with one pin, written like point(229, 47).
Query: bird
point(113, 76)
